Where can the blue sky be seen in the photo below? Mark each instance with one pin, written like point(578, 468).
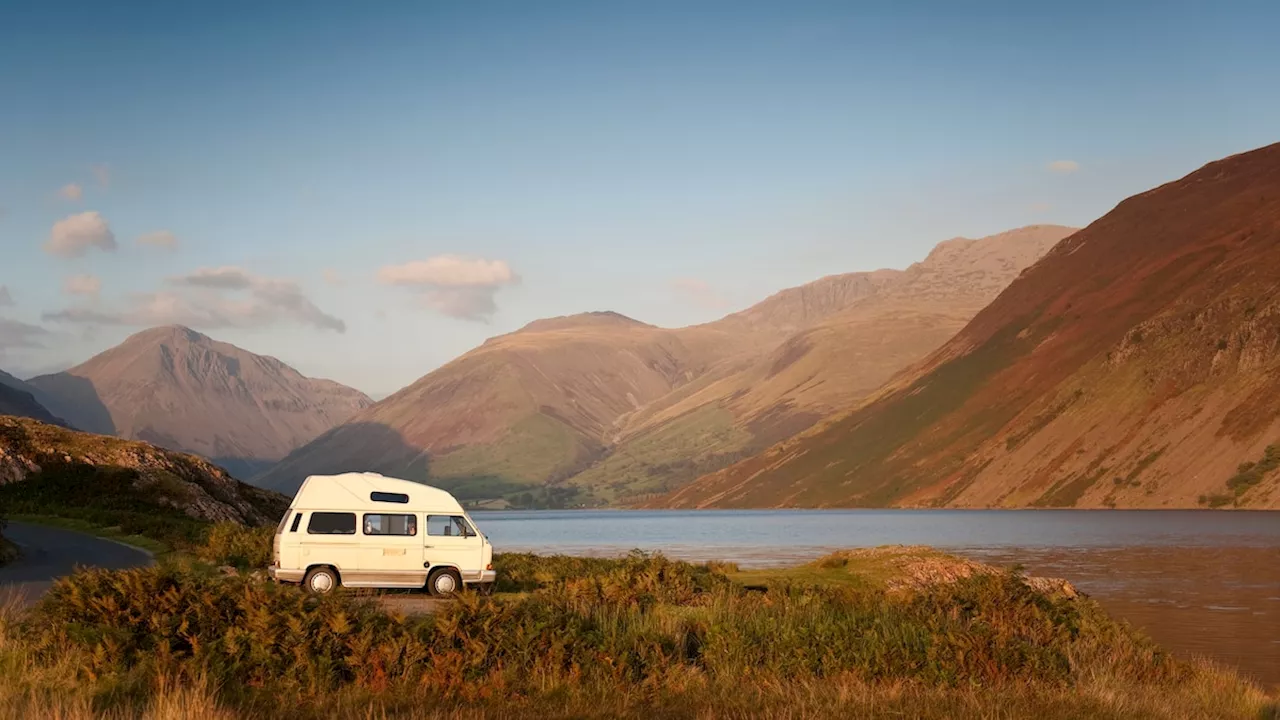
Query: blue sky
point(670, 161)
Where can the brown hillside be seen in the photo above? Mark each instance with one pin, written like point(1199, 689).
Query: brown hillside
point(541, 405)
point(523, 408)
point(179, 389)
point(1135, 365)
point(888, 320)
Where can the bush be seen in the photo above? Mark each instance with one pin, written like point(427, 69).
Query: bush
point(1249, 474)
point(585, 631)
point(241, 547)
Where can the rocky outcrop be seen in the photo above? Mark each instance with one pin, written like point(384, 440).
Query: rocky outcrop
point(167, 479)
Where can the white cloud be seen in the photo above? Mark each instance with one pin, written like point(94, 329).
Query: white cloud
point(160, 239)
point(6, 300)
point(333, 277)
point(1063, 166)
point(459, 287)
point(213, 298)
point(88, 285)
point(698, 292)
point(74, 235)
point(71, 191)
point(102, 174)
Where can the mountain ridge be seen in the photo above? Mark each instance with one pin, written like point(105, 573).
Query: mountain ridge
point(183, 390)
point(1129, 367)
point(530, 410)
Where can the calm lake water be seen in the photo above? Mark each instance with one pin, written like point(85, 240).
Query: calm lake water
point(1200, 583)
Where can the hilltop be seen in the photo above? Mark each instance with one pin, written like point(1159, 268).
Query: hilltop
point(1135, 365)
point(183, 390)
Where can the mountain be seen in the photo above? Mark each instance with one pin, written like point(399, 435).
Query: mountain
point(1136, 365)
point(179, 389)
point(50, 470)
point(530, 411)
point(880, 322)
point(521, 410)
point(18, 399)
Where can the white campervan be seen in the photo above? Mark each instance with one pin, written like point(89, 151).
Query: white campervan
point(366, 530)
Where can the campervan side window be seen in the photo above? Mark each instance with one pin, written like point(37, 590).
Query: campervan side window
point(382, 524)
point(332, 523)
point(297, 518)
point(448, 525)
point(401, 498)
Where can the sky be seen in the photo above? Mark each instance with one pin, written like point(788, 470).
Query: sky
point(367, 190)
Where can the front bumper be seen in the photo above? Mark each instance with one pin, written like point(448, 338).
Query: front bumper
point(282, 575)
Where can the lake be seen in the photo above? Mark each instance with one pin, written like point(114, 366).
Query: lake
point(1199, 582)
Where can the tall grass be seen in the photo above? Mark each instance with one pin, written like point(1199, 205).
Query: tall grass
point(589, 638)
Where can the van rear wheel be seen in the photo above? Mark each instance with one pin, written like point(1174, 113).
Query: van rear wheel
point(444, 582)
point(320, 580)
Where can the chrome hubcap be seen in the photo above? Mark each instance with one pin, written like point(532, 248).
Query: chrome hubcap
point(445, 583)
point(322, 583)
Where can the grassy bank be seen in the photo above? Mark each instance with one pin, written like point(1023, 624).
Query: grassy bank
point(579, 637)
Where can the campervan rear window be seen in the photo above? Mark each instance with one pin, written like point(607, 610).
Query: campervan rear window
point(332, 523)
point(389, 497)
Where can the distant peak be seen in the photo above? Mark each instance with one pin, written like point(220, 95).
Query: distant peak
point(168, 332)
point(587, 319)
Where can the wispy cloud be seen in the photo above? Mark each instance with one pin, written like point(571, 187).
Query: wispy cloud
point(102, 174)
point(73, 236)
point(212, 298)
point(453, 285)
point(15, 334)
point(699, 293)
point(162, 239)
point(87, 285)
point(1063, 166)
point(71, 191)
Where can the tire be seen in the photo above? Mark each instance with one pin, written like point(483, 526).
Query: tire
point(444, 582)
point(320, 580)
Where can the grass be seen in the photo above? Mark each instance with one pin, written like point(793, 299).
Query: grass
point(668, 456)
point(640, 636)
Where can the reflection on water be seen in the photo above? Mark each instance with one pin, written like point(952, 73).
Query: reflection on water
point(1202, 583)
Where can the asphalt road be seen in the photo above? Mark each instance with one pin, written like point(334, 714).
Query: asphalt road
point(49, 553)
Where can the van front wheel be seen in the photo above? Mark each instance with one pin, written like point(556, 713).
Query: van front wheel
point(320, 580)
point(444, 582)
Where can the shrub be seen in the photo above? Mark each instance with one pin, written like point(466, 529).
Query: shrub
point(586, 630)
point(1249, 474)
point(228, 543)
